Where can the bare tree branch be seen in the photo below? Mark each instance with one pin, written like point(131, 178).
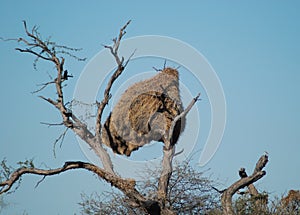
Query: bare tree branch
point(120, 68)
point(219, 191)
point(260, 199)
point(59, 139)
point(96, 143)
point(257, 174)
point(34, 53)
point(127, 186)
point(114, 49)
point(50, 51)
point(40, 181)
point(47, 50)
point(182, 115)
point(52, 124)
point(122, 184)
point(43, 86)
point(252, 190)
point(168, 154)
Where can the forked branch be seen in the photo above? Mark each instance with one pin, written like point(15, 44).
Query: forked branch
point(127, 186)
point(168, 155)
point(120, 68)
point(48, 50)
point(245, 180)
point(122, 184)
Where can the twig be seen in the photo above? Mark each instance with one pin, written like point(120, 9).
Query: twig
point(157, 70)
point(178, 153)
point(40, 181)
point(48, 50)
point(43, 86)
point(61, 139)
point(165, 63)
point(219, 191)
point(52, 124)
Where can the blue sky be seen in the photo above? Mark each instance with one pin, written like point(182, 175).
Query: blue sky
point(253, 47)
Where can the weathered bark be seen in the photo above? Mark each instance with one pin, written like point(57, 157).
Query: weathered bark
point(165, 174)
point(226, 198)
point(123, 184)
point(48, 51)
point(168, 154)
point(127, 186)
point(260, 200)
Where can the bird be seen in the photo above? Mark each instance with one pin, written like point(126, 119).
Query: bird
point(66, 75)
point(242, 173)
point(144, 113)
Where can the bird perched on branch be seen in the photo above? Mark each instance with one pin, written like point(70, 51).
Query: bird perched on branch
point(242, 173)
point(145, 113)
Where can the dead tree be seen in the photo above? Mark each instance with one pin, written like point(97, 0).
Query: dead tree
point(51, 52)
point(245, 181)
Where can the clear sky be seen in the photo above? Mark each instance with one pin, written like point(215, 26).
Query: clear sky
point(253, 47)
